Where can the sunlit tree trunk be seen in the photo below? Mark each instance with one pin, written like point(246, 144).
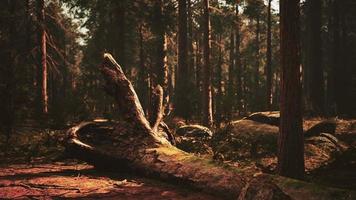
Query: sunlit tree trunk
point(290, 141)
point(238, 63)
point(43, 50)
point(161, 68)
point(207, 89)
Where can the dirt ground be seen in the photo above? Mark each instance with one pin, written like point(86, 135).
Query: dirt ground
point(73, 180)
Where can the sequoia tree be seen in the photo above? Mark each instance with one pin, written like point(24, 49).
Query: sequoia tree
point(290, 141)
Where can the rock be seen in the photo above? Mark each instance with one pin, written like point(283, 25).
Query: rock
point(271, 118)
point(328, 126)
point(262, 188)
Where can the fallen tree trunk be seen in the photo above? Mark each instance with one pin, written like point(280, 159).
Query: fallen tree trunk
point(134, 145)
point(131, 144)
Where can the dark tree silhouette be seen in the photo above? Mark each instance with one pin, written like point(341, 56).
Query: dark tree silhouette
point(314, 81)
point(290, 141)
point(268, 70)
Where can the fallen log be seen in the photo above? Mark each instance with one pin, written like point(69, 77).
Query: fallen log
point(134, 145)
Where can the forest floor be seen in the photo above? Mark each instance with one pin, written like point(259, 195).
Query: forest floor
point(32, 167)
point(71, 179)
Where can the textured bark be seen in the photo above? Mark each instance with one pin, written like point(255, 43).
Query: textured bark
point(133, 145)
point(290, 141)
point(207, 89)
point(156, 114)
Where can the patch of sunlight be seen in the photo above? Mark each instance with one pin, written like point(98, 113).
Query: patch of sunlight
point(100, 120)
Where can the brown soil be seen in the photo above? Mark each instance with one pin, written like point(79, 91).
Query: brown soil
point(72, 180)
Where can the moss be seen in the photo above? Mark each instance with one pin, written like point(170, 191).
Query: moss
point(298, 189)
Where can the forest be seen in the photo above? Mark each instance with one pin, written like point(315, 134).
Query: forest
point(178, 99)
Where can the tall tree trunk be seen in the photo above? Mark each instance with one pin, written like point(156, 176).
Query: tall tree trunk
point(190, 37)
point(43, 50)
point(144, 79)
point(161, 68)
point(336, 62)
point(207, 89)
point(198, 70)
point(238, 62)
point(256, 104)
point(314, 69)
point(268, 70)
point(330, 90)
point(7, 75)
point(219, 96)
point(232, 73)
point(181, 98)
point(290, 141)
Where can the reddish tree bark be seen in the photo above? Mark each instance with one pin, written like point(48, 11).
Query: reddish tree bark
point(43, 49)
point(290, 141)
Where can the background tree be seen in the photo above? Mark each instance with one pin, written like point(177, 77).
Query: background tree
point(207, 89)
point(43, 48)
point(268, 69)
point(313, 70)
